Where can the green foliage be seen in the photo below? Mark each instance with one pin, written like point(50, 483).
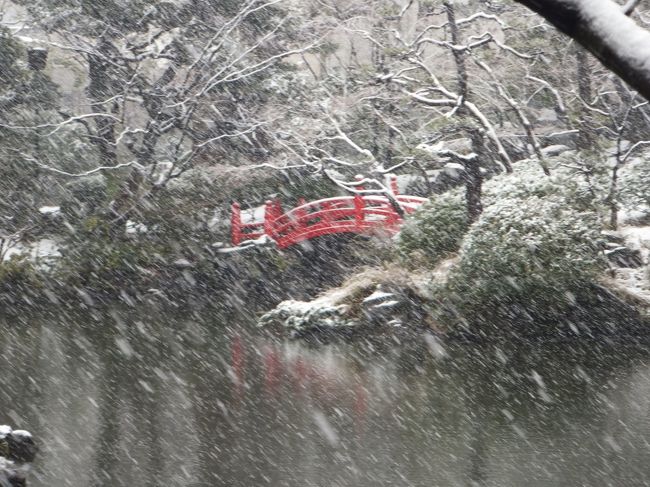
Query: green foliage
point(85, 196)
point(439, 227)
point(41, 92)
point(19, 86)
point(26, 98)
point(17, 275)
point(10, 53)
point(97, 258)
point(534, 248)
point(327, 48)
point(435, 230)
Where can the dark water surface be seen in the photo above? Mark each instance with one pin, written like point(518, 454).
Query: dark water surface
point(126, 400)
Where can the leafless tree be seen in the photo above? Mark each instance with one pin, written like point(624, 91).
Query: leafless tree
point(178, 88)
point(411, 71)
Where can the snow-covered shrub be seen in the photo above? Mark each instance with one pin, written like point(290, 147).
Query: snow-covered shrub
point(85, 196)
point(527, 180)
point(99, 255)
point(533, 253)
point(438, 228)
point(17, 275)
point(635, 183)
point(435, 230)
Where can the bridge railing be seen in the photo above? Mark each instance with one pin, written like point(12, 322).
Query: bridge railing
point(342, 214)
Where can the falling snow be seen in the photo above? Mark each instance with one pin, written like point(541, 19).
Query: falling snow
point(323, 243)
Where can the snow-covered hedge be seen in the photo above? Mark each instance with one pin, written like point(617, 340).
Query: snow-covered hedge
point(18, 279)
point(537, 253)
point(435, 230)
point(439, 227)
point(534, 248)
point(565, 182)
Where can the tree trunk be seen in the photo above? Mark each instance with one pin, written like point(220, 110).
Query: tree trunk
point(585, 134)
point(474, 177)
point(100, 89)
point(459, 55)
point(638, 122)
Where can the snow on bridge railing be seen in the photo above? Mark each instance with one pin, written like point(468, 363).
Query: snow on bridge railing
point(342, 214)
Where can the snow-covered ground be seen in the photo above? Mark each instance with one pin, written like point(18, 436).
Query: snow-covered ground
point(43, 253)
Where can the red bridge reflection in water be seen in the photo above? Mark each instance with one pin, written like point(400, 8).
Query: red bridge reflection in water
point(322, 382)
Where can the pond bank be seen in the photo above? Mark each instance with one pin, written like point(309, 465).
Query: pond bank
point(359, 292)
point(249, 281)
point(385, 299)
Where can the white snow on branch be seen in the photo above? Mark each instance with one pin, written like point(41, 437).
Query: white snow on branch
point(79, 174)
point(618, 31)
point(58, 126)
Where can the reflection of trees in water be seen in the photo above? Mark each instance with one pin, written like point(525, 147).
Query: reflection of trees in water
point(229, 397)
point(45, 389)
point(540, 400)
point(242, 411)
point(21, 354)
point(31, 357)
point(130, 399)
point(253, 407)
point(141, 409)
point(107, 470)
point(207, 387)
point(143, 387)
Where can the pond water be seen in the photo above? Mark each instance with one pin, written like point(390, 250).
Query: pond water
point(119, 399)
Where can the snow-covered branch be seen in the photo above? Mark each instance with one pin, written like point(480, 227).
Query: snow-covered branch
point(81, 174)
point(604, 29)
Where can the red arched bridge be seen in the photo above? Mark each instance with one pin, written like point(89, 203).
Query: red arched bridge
point(343, 214)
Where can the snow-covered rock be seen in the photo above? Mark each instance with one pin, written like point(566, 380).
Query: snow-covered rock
point(387, 304)
point(183, 263)
point(634, 281)
point(301, 316)
point(461, 145)
point(454, 169)
point(638, 238)
point(555, 150)
point(42, 253)
point(376, 299)
point(134, 228)
point(12, 475)
point(50, 210)
point(546, 115)
point(17, 448)
point(262, 241)
point(406, 181)
point(634, 217)
point(622, 255)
